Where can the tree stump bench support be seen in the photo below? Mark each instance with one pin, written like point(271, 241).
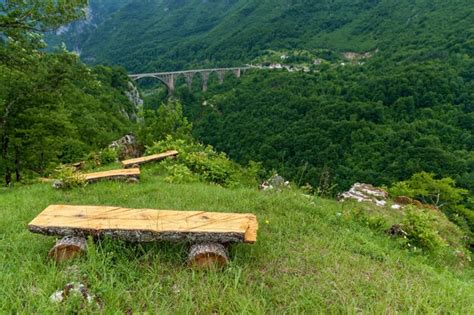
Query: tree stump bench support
point(129, 175)
point(204, 255)
point(67, 248)
point(148, 159)
point(207, 232)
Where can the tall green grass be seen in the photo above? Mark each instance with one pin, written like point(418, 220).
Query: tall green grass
point(308, 259)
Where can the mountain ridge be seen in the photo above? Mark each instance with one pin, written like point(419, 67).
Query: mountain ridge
point(169, 35)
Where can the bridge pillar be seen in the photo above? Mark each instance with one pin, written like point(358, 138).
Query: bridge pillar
point(237, 73)
point(205, 80)
point(189, 79)
point(221, 75)
point(171, 83)
point(168, 79)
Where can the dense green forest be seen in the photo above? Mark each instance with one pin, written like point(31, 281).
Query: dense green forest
point(376, 126)
point(53, 108)
point(171, 35)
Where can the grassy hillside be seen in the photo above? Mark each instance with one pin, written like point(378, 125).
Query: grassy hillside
point(170, 35)
point(311, 256)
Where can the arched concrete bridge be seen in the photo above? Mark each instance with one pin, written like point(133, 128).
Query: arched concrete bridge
point(169, 78)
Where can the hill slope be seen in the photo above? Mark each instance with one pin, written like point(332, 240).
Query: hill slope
point(170, 35)
point(358, 124)
point(311, 256)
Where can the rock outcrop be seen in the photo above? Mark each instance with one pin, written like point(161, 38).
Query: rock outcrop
point(276, 182)
point(379, 197)
point(127, 147)
point(365, 192)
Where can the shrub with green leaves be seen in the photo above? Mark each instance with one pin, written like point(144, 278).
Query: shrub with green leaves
point(179, 174)
point(420, 226)
point(424, 187)
point(108, 156)
point(203, 161)
point(213, 167)
point(68, 178)
point(442, 193)
point(168, 119)
point(375, 221)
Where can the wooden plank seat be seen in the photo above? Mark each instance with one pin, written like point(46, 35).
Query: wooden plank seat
point(208, 232)
point(132, 174)
point(150, 158)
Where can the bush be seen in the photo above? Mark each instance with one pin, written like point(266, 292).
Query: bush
point(108, 156)
point(374, 221)
point(424, 187)
point(168, 119)
point(203, 161)
point(420, 226)
point(68, 178)
point(179, 174)
point(213, 167)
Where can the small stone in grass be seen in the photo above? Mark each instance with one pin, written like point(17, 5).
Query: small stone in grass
point(74, 289)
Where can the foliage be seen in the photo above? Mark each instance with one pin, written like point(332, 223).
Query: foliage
point(53, 108)
point(441, 193)
point(374, 221)
point(423, 186)
point(325, 187)
point(352, 122)
point(68, 178)
point(108, 156)
point(420, 226)
point(205, 162)
point(168, 119)
point(423, 231)
point(20, 18)
point(236, 32)
point(179, 174)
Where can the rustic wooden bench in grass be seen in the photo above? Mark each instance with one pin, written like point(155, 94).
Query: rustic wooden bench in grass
point(132, 175)
point(208, 232)
point(147, 159)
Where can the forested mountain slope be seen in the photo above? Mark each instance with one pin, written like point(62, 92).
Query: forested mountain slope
point(351, 122)
point(53, 108)
point(75, 33)
point(171, 35)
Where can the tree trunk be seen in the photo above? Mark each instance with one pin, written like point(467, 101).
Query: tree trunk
point(68, 248)
point(8, 175)
point(205, 255)
point(17, 164)
point(41, 163)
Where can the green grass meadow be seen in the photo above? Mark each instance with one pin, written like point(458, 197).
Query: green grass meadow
point(308, 259)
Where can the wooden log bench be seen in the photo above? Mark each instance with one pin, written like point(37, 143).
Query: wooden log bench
point(131, 175)
point(208, 233)
point(148, 159)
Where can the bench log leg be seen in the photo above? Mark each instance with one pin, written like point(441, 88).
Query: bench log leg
point(133, 180)
point(67, 248)
point(204, 255)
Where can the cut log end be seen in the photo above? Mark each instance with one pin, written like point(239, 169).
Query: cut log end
point(132, 180)
point(67, 248)
point(207, 255)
